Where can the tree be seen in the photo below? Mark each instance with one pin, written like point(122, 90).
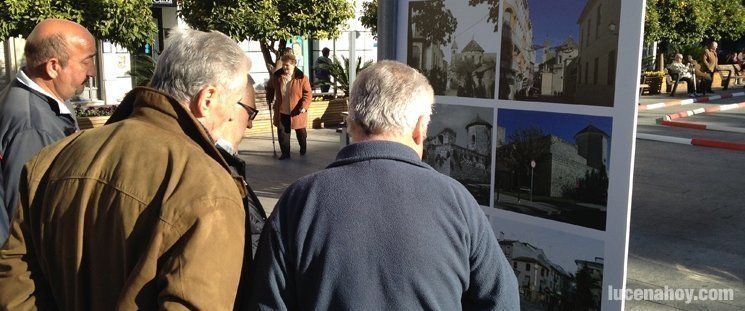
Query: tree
point(693, 21)
point(128, 23)
point(493, 10)
point(369, 18)
point(524, 145)
point(269, 22)
point(435, 22)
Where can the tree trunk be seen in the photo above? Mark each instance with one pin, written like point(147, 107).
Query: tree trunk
point(267, 49)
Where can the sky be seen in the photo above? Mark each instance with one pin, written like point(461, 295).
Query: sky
point(560, 248)
point(563, 125)
point(472, 24)
point(456, 118)
point(555, 20)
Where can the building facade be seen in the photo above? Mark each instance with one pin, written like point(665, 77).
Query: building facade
point(517, 58)
point(538, 278)
point(553, 70)
point(598, 52)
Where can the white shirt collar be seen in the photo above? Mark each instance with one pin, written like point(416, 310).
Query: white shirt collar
point(23, 78)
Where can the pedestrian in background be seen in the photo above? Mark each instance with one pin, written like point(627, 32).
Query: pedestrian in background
point(323, 70)
point(35, 108)
point(379, 229)
point(291, 94)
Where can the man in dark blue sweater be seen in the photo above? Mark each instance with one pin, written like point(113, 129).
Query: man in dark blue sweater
point(379, 229)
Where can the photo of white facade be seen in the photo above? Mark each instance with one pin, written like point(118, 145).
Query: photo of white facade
point(555, 270)
point(517, 58)
point(598, 52)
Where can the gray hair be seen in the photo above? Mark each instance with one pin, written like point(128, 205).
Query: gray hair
point(389, 97)
point(195, 59)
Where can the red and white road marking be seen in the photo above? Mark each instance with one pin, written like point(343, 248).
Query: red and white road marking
point(689, 113)
point(683, 102)
point(693, 141)
point(703, 126)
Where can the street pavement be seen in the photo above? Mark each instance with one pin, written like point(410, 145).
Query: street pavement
point(688, 206)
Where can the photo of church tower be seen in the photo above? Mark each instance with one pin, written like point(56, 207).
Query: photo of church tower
point(455, 51)
point(459, 145)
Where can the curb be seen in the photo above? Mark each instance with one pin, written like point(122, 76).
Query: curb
point(689, 101)
point(703, 126)
point(693, 141)
point(689, 113)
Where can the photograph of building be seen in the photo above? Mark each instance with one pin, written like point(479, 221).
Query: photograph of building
point(555, 270)
point(454, 44)
point(560, 51)
point(554, 166)
point(459, 144)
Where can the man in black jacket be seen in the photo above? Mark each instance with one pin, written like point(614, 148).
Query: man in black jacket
point(35, 109)
point(379, 229)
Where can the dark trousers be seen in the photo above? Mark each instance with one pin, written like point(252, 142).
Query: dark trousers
point(283, 133)
point(689, 83)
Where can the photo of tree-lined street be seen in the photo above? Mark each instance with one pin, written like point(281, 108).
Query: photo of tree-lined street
point(553, 165)
point(561, 51)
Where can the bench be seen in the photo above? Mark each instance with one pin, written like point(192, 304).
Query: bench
point(643, 86)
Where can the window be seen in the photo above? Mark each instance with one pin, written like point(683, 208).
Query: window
point(595, 72)
point(473, 138)
point(579, 72)
point(514, 264)
point(527, 267)
point(612, 67)
point(589, 24)
point(597, 22)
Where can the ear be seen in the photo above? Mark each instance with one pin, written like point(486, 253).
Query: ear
point(52, 68)
point(420, 130)
point(201, 104)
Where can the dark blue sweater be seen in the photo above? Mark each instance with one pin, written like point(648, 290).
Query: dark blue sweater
point(380, 230)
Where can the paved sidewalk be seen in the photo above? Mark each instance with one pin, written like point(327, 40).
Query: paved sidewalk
point(269, 177)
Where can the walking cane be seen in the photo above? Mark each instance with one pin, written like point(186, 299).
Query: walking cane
point(271, 127)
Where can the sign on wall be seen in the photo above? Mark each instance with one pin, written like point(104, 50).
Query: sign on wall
point(535, 116)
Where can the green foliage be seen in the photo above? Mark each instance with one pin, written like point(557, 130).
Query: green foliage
point(493, 10)
point(270, 22)
point(143, 67)
point(693, 21)
point(238, 19)
point(593, 188)
point(128, 23)
point(369, 18)
point(339, 70)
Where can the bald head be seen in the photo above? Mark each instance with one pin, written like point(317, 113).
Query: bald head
point(60, 57)
point(54, 38)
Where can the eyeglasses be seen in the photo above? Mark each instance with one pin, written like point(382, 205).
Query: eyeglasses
point(252, 112)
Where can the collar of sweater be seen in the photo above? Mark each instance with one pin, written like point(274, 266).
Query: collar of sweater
point(377, 149)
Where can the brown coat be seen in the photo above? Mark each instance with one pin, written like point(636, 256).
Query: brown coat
point(139, 214)
point(710, 60)
point(300, 97)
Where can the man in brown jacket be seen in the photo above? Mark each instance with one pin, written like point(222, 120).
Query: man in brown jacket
point(710, 62)
point(142, 213)
point(291, 92)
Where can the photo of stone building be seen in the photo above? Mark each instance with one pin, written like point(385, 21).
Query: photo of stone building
point(459, 144)
point(554, 166)
point(456, 52)
point(561, 51)
point(555, 270)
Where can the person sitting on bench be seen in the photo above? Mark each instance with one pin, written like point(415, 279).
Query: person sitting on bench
point(684, 73)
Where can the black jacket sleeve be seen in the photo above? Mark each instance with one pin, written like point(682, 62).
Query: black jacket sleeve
point(21, 147)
